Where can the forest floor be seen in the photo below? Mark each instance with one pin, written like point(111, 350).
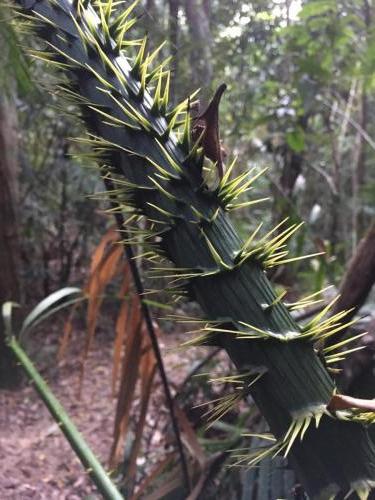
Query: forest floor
point(36, 460)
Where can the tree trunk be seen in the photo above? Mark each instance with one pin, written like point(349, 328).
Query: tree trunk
point(359, 278)
point(151, 16)
point(201, 57)
point(9, 238)
point(173, 41)
point(150, 5)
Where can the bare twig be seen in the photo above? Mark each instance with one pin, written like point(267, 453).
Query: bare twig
point(197, 368)
point(326, 176)
point(352, 122)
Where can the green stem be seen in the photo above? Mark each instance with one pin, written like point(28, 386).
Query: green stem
point(70, 431)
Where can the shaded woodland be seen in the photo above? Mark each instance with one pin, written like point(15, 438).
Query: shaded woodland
point(165, 419)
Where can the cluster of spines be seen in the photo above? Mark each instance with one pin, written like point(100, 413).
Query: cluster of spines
point(296, 430)
point(267, 251)
point(323, 326)
point(230, 189)
point(102, 33)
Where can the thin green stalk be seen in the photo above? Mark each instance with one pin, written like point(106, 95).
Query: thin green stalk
point(70, 431)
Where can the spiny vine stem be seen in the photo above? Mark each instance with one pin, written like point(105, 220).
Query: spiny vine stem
point(151, 332)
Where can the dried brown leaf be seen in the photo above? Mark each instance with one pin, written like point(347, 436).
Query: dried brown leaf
point(102, 276)
point(105, 264)
point(121, 326)
point(129, 376)
point(150, 478)
point(110, 237)
point(147, 371)
point(189, 437)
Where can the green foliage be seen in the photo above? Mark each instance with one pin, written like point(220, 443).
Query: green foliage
point(296, 140)
point(319, 8)
point(12, 59)
point(54, 191)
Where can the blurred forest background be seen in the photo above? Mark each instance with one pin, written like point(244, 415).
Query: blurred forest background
point(299, 102)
